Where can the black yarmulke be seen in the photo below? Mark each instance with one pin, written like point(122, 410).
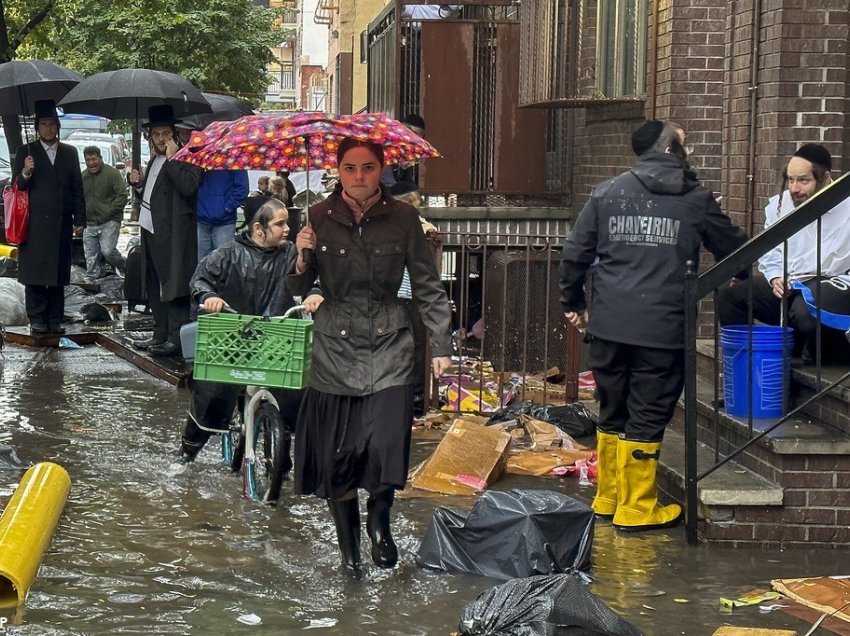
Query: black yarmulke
point(645, 137)
point(816, 154)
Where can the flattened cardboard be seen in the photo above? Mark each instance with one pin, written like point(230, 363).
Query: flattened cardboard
point(469, 458)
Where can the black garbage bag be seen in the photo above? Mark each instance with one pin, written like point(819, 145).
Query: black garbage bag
point(8, 267)
point(574, 419)
point(509, 535)
point(95, 312)
point(555, 605)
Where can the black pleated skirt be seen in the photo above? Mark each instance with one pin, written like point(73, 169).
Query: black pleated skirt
point(346, 442)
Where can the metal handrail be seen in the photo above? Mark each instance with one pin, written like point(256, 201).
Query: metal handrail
point(697, 286)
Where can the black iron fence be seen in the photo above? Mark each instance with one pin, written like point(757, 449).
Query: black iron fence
point(507, 318)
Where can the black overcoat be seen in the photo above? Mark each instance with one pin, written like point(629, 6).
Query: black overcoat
point(56, 206)
point(174, 244)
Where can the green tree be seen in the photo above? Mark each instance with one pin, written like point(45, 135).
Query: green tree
point(218, 45)
point(19, 22)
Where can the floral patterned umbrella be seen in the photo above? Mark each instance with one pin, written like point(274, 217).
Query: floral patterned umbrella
point(298, 142)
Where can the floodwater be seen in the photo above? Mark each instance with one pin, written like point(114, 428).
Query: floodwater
point(149, 546)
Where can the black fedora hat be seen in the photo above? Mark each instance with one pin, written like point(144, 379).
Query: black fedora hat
point(160, 115)
point(45, 108)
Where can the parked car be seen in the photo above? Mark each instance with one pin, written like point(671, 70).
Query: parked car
point(102, 138)
point(109, 151)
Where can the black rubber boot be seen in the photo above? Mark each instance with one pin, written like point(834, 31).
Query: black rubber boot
point(189, 450)
point(384, 550)
point(346, 516)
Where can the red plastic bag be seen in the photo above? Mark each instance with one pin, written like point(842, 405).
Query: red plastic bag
point(16, 204)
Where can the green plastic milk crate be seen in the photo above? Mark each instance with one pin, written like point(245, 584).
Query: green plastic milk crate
point(240, 349)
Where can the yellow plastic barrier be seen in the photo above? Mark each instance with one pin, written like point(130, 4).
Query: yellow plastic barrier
point(26, 527)
point(9, 251)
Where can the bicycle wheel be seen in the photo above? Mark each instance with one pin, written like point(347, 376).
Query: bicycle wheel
point(263, 477)
point(233, 442)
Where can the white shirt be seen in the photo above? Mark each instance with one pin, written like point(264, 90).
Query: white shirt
point(145, 218)
point(802, 247)
point(50, 149)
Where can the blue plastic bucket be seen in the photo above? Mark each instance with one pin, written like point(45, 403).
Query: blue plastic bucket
point(770, 372)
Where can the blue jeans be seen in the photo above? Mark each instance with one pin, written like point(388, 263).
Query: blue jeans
point(211, 237)
point(99, 244)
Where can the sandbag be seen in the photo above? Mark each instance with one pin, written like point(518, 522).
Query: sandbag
point(511, 534)
point(13, 309)
point(556, 605)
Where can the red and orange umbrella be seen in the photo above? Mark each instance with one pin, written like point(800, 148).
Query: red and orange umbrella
point(298, 142)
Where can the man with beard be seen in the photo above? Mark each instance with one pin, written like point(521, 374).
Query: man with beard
point(169, 232)
point(806, 172)
point(636, 232)
point(50, 171)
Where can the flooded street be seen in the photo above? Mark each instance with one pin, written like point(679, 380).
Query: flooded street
point(149, 546)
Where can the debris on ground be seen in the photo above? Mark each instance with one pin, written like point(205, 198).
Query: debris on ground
point(539, 606)
point(511, 534)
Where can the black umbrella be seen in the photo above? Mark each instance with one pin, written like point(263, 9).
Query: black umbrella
point(24, 82)
point(224, 108)
point(129, 93)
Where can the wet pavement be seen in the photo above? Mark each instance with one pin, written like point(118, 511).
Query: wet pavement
point(149, 546)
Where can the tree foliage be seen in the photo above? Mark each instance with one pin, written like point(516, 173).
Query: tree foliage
point(219, 45)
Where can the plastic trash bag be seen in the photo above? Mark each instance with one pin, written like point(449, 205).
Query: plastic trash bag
point(553, 605)
point(573, 418)
point(13, 310)
point(509, 535)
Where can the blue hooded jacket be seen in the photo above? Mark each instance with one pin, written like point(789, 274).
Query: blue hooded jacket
point(220, 193)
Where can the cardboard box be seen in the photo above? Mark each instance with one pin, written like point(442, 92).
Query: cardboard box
point(469, 458)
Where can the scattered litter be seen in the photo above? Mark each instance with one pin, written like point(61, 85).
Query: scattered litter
point(319, 623)
point(649, 607)
point(250, 619)
point(753, 597)
point(67, 343)
point(681, 600)
point(770, 608)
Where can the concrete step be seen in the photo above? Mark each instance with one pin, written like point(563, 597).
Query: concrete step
point(730, 485)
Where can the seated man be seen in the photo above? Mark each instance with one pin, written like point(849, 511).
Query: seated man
point(247, 275)
point(806, 173)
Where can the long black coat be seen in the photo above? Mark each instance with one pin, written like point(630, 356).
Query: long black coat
point(174, 244)
point(362, 338)
point(56, 206)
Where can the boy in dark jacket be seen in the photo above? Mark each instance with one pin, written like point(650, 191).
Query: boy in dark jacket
point(246, 275)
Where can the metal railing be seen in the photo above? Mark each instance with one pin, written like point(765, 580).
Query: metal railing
point(697, 287)
point(504, 292)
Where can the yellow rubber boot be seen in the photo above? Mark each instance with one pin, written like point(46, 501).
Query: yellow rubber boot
point(637, 493)
point(605, 502)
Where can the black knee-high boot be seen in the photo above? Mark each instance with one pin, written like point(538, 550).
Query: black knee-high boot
point(193, 440)
point(384, 551)
point(346, 516)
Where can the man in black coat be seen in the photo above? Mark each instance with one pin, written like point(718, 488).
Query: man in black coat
point(636, 233)
point(50, 171)
point(169, 232)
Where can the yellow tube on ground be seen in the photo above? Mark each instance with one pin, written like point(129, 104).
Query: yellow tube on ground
point(27, 526)
point(9, 251)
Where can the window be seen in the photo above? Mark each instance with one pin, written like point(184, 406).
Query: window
point(621, 48)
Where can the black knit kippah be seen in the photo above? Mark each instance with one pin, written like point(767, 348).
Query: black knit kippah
point(816, 154)
point(645, 137)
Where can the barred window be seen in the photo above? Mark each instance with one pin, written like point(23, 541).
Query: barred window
point(621, 48)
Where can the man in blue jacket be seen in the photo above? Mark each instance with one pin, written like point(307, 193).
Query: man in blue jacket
point(636, 232)
point(220, 193)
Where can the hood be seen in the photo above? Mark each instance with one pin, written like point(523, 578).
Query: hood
point(664, 174)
